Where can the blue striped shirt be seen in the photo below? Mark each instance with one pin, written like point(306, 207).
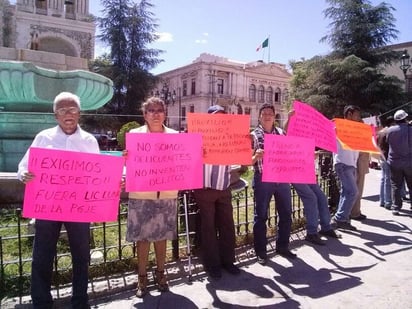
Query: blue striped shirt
point(216, 176)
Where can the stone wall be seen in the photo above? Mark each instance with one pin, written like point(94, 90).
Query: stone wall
point(43, 59)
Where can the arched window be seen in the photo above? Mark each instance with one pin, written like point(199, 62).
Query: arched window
point(277, 95)
point(261, 94)
point(269, 95)
point(252, 93)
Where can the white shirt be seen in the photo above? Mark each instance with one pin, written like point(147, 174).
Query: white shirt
point(347, 157)
point(55, 138)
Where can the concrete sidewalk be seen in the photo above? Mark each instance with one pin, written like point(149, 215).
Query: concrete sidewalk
point(371, 267)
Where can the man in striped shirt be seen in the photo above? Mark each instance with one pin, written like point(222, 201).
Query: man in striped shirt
point(217, 231)
point(264, 191)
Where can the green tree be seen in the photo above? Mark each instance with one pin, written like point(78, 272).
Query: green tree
point(128, 29)
point(353, 72)
point(360, 29)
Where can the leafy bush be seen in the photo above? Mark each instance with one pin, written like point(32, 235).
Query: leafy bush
point(123, 130)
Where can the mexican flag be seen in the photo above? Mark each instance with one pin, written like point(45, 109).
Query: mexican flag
point(263, 45)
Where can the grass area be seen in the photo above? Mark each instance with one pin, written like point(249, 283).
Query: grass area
point(116, 255)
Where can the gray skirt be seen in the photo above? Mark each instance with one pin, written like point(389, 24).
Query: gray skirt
point(151, 220)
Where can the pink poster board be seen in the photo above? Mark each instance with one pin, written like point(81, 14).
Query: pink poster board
point(73, 186)
point(226, 137)
point(288, 159)
point(308, 122)
point(159, 162)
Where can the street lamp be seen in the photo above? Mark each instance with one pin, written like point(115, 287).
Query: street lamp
point(405, 65)
point(168, 97)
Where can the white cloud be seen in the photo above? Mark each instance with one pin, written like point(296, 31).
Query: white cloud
point(165, 37)
point(201, 41)
point(204, 40)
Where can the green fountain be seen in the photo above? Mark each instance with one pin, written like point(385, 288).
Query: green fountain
point(26, 107)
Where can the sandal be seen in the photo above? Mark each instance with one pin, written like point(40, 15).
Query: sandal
point(141, 286)
point(161, 281)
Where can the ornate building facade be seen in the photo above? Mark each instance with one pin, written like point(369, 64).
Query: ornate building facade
point(241, 88)
point(395, 69)
point(60, 27)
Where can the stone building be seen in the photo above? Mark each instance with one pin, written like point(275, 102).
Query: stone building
point(54, 34)
point(239, 87)
point(394, 68)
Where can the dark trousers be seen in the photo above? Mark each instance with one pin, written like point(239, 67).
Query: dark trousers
point(217, 232)
point(264, 191)
point(399, 175)
point(44, 250)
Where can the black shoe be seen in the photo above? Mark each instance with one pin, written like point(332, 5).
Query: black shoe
point(330, 233)
point(315, 239)
point(343, 225)
point(286, 253)
point(359, 218)
point(231, 269)
point(215, 272)
point(262, 260)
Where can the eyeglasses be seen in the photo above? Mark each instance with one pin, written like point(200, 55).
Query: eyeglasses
point(67, 110)
point(268, 114)
point(155, 111)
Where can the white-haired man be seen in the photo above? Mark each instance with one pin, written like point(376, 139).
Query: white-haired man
point(67, 135)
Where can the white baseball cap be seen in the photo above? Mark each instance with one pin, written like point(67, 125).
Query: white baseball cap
point(400, 115)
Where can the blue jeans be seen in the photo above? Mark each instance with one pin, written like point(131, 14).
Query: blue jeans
point(264, 191)
point(348, 191)
point(315, 207)
point(44, 250)
point(385, 193)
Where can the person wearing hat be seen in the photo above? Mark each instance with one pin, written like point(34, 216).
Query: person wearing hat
point(399, 138)
point(217, 228)
point(264, 191)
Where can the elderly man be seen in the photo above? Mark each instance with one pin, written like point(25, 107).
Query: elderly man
point(67, 135)
point(399, 138)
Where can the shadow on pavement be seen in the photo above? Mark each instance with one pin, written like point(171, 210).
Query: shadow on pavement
point(248, 282)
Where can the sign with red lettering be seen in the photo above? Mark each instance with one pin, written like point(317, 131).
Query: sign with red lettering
point(159, 162)
point(226, 138)
point(308, 122)
point(355, 135)
point(73, 186)
point(288, 159)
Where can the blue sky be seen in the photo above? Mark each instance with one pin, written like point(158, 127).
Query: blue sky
point(234, 28)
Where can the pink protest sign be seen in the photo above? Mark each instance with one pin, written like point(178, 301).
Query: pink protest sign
point(226, 138)
point(308, 122)
point(288, 159)
point(73, 186)
point(159, 162)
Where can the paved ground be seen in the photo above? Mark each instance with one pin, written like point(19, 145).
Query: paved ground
point(367, 268)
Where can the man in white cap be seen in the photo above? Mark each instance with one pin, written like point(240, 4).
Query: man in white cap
point(217, 230)
point(399, 138)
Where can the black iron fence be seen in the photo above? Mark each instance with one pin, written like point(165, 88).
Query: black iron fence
point(111, 254)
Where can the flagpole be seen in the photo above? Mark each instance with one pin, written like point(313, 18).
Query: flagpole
point(269, 48)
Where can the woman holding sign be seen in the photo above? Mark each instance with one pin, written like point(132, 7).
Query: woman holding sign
point(152, 215)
